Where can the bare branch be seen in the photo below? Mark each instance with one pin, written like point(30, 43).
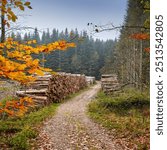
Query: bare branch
point(18, 28)
point(109, 27)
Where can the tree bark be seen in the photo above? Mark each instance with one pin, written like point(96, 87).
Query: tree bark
point(2, 24)
point(141, 64)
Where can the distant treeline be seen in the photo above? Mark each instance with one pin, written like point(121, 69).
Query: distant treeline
point(89, 56)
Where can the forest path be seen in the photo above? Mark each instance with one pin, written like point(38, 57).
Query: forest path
point(71, 129)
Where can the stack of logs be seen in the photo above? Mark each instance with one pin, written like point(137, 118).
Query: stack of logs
point(90, 80)
point(61, 86)
point(53, 88)
point(37, 90)
point(109, 83)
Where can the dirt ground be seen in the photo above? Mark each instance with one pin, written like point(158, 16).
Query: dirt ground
point(71, 129)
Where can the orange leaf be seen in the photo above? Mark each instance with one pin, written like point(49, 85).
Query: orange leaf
point(140, 36)
point(9, 112)
point(147, 49)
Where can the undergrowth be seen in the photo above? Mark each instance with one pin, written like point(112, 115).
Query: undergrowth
point(126, 114)
point(16, 133)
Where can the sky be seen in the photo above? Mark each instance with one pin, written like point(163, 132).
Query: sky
point(71, 14)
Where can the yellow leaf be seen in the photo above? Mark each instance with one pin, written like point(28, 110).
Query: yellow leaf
point(17, 3)
point(21, 7)
point(34, 41)
point(22, 67)
point(14, 18)
point(46, 69)
point(39, 72)
point(27, 3)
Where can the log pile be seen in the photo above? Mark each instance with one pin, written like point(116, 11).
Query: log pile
point(53, 88)
point(109, 83)
point(60, 86)
point(41, 82)
point(37, 90)
point(90, 80)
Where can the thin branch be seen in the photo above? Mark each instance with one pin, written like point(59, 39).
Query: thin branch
point(109, 27)
point(17, 28)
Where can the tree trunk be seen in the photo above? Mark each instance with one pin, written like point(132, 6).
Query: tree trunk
point(43, 60)
point(140, 65)
point(2, 26)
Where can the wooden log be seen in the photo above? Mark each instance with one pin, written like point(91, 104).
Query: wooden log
point(38, 100)
point(33, 91)
point(109, 83)
point(108, 75)
point(111, 87)
point(38, 86)
point(45, 76)
point(60, 86)
point(90, 80)
point(32, 96)
point(43, 79)
point(108, 80)
point(39, 82)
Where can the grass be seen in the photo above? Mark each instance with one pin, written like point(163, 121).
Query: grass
point(16, 133)
point(4, 88)
point(126, 114)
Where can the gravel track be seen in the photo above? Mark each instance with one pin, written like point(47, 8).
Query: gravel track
point(71, 129)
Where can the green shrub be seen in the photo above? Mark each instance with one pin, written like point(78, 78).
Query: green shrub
point(17, 132)
point(20, 140)
point(126, 114)
point(123, 102)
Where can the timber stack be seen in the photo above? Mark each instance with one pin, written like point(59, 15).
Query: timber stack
point(53, 88)
point(109, 83)
point(62, 85)
point(37, 90)
point(90, 80)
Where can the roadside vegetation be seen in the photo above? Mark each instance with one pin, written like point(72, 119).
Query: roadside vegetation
point(126, 114)
point(16, 133)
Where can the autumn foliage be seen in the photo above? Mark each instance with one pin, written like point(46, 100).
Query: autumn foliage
point(17, 63)
point(140, 36)
point(16, 108)
point(16, 60)
point(7, 6)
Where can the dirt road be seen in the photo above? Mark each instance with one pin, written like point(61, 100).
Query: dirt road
point(71, 128)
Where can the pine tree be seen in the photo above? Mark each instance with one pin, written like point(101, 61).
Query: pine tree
point(43, 37)
point(130, 66)
point(18, 37)
point(54, 36)
point(36, 35)
point(25, 37)
point(88, 57)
